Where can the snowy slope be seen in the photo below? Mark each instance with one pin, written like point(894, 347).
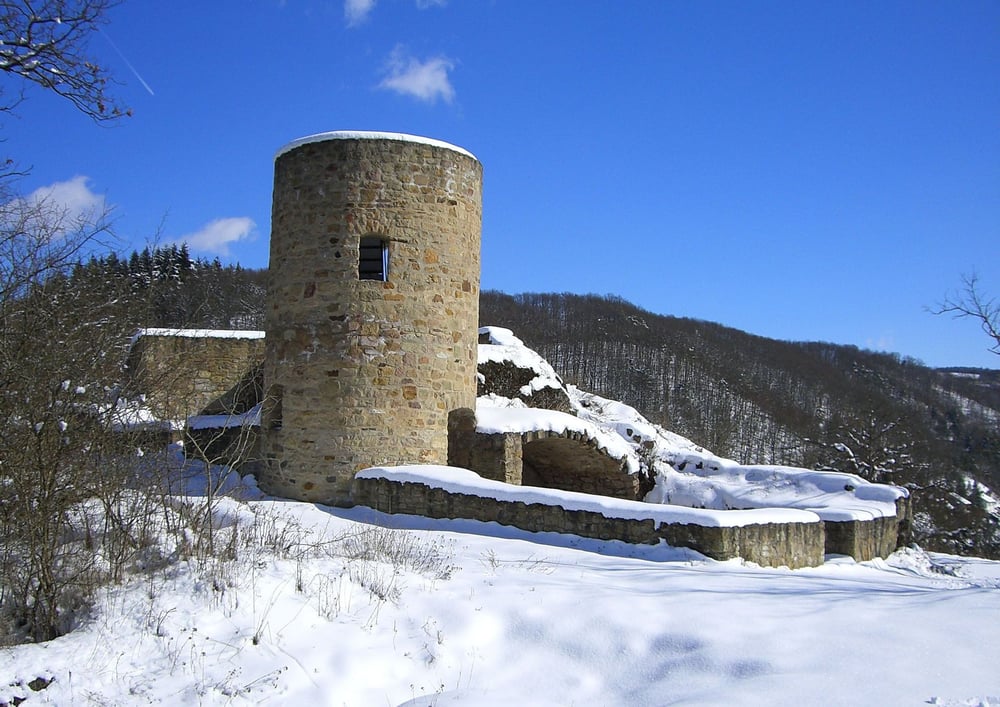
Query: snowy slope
point(685, 474)
point(487, 615)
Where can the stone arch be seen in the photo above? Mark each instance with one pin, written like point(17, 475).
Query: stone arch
point(572, 461)
point(568, 460)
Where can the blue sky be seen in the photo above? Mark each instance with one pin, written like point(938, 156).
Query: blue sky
point(799, 170)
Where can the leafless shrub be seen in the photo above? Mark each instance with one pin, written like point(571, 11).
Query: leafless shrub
point(400, 550)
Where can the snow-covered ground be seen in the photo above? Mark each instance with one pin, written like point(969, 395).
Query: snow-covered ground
point(352, 607)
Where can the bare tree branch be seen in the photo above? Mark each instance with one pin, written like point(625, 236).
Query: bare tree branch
point(39, 238)
point(972, 303)
point(45, 42)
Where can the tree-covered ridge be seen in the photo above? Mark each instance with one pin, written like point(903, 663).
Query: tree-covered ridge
point(757, 400)
point(166, 287)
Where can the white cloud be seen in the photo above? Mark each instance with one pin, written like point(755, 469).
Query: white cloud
point(884, 342)
point(57, 210)
point(72, 200)
point(216, 236)
point(424, 80)
point(357, 11)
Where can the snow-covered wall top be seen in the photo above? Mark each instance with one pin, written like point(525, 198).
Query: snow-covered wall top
point(722, 483)
point(200, 333)
point(250, 418)
point(520, 419)
point(463, 481)
point(370, 135)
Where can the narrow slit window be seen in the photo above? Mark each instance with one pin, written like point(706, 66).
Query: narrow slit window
point(273, 407)
point(373, 259)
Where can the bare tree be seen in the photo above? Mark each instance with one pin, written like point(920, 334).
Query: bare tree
point(972, 303)
point(63, 460)
point(877, 445)
point(221, 441)
point(40, 238)
point(45, 42)
point(58, 444)
point(76, 502)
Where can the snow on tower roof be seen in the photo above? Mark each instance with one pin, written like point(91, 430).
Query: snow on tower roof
point(370, 135)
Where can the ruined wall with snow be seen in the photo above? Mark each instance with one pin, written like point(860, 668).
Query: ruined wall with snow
point(772, 537)
point(182, 371)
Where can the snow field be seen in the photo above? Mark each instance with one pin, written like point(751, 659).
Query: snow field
point(336, 607)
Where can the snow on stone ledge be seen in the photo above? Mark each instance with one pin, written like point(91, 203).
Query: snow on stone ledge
point(519, 420)
point(250, 418)
point(463, 481)
point(370, 135)
point(834, 496)
point(200, 333)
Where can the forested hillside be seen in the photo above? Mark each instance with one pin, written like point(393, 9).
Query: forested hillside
point(757, 400)
point(166, 287)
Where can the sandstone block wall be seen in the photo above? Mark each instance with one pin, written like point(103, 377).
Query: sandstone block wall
point(492, 456)
point(182, 373)
point(569, 460)
point(365, 372)
point(867, 539)
point(770, 544)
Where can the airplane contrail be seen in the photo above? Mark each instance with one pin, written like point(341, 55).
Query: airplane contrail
point(127, 62)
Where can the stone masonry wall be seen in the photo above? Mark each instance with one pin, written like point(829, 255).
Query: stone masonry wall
point(366, 372)
point(182, 374)
point(771, 544)
point(492, 456)
point(573, 462)
point(867, 539)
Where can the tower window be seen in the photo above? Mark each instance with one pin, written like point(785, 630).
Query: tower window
point(373, 259)
point(272, 407)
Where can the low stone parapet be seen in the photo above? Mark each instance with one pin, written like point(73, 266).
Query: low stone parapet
point(866, 539)
point(771, 537)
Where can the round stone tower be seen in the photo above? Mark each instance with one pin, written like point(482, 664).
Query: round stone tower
point(373, 307)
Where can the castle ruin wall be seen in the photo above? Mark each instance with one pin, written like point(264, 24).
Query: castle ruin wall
point(789, 544)
point(182, 371)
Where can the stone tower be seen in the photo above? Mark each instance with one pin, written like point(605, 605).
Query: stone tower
point(373, 307)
